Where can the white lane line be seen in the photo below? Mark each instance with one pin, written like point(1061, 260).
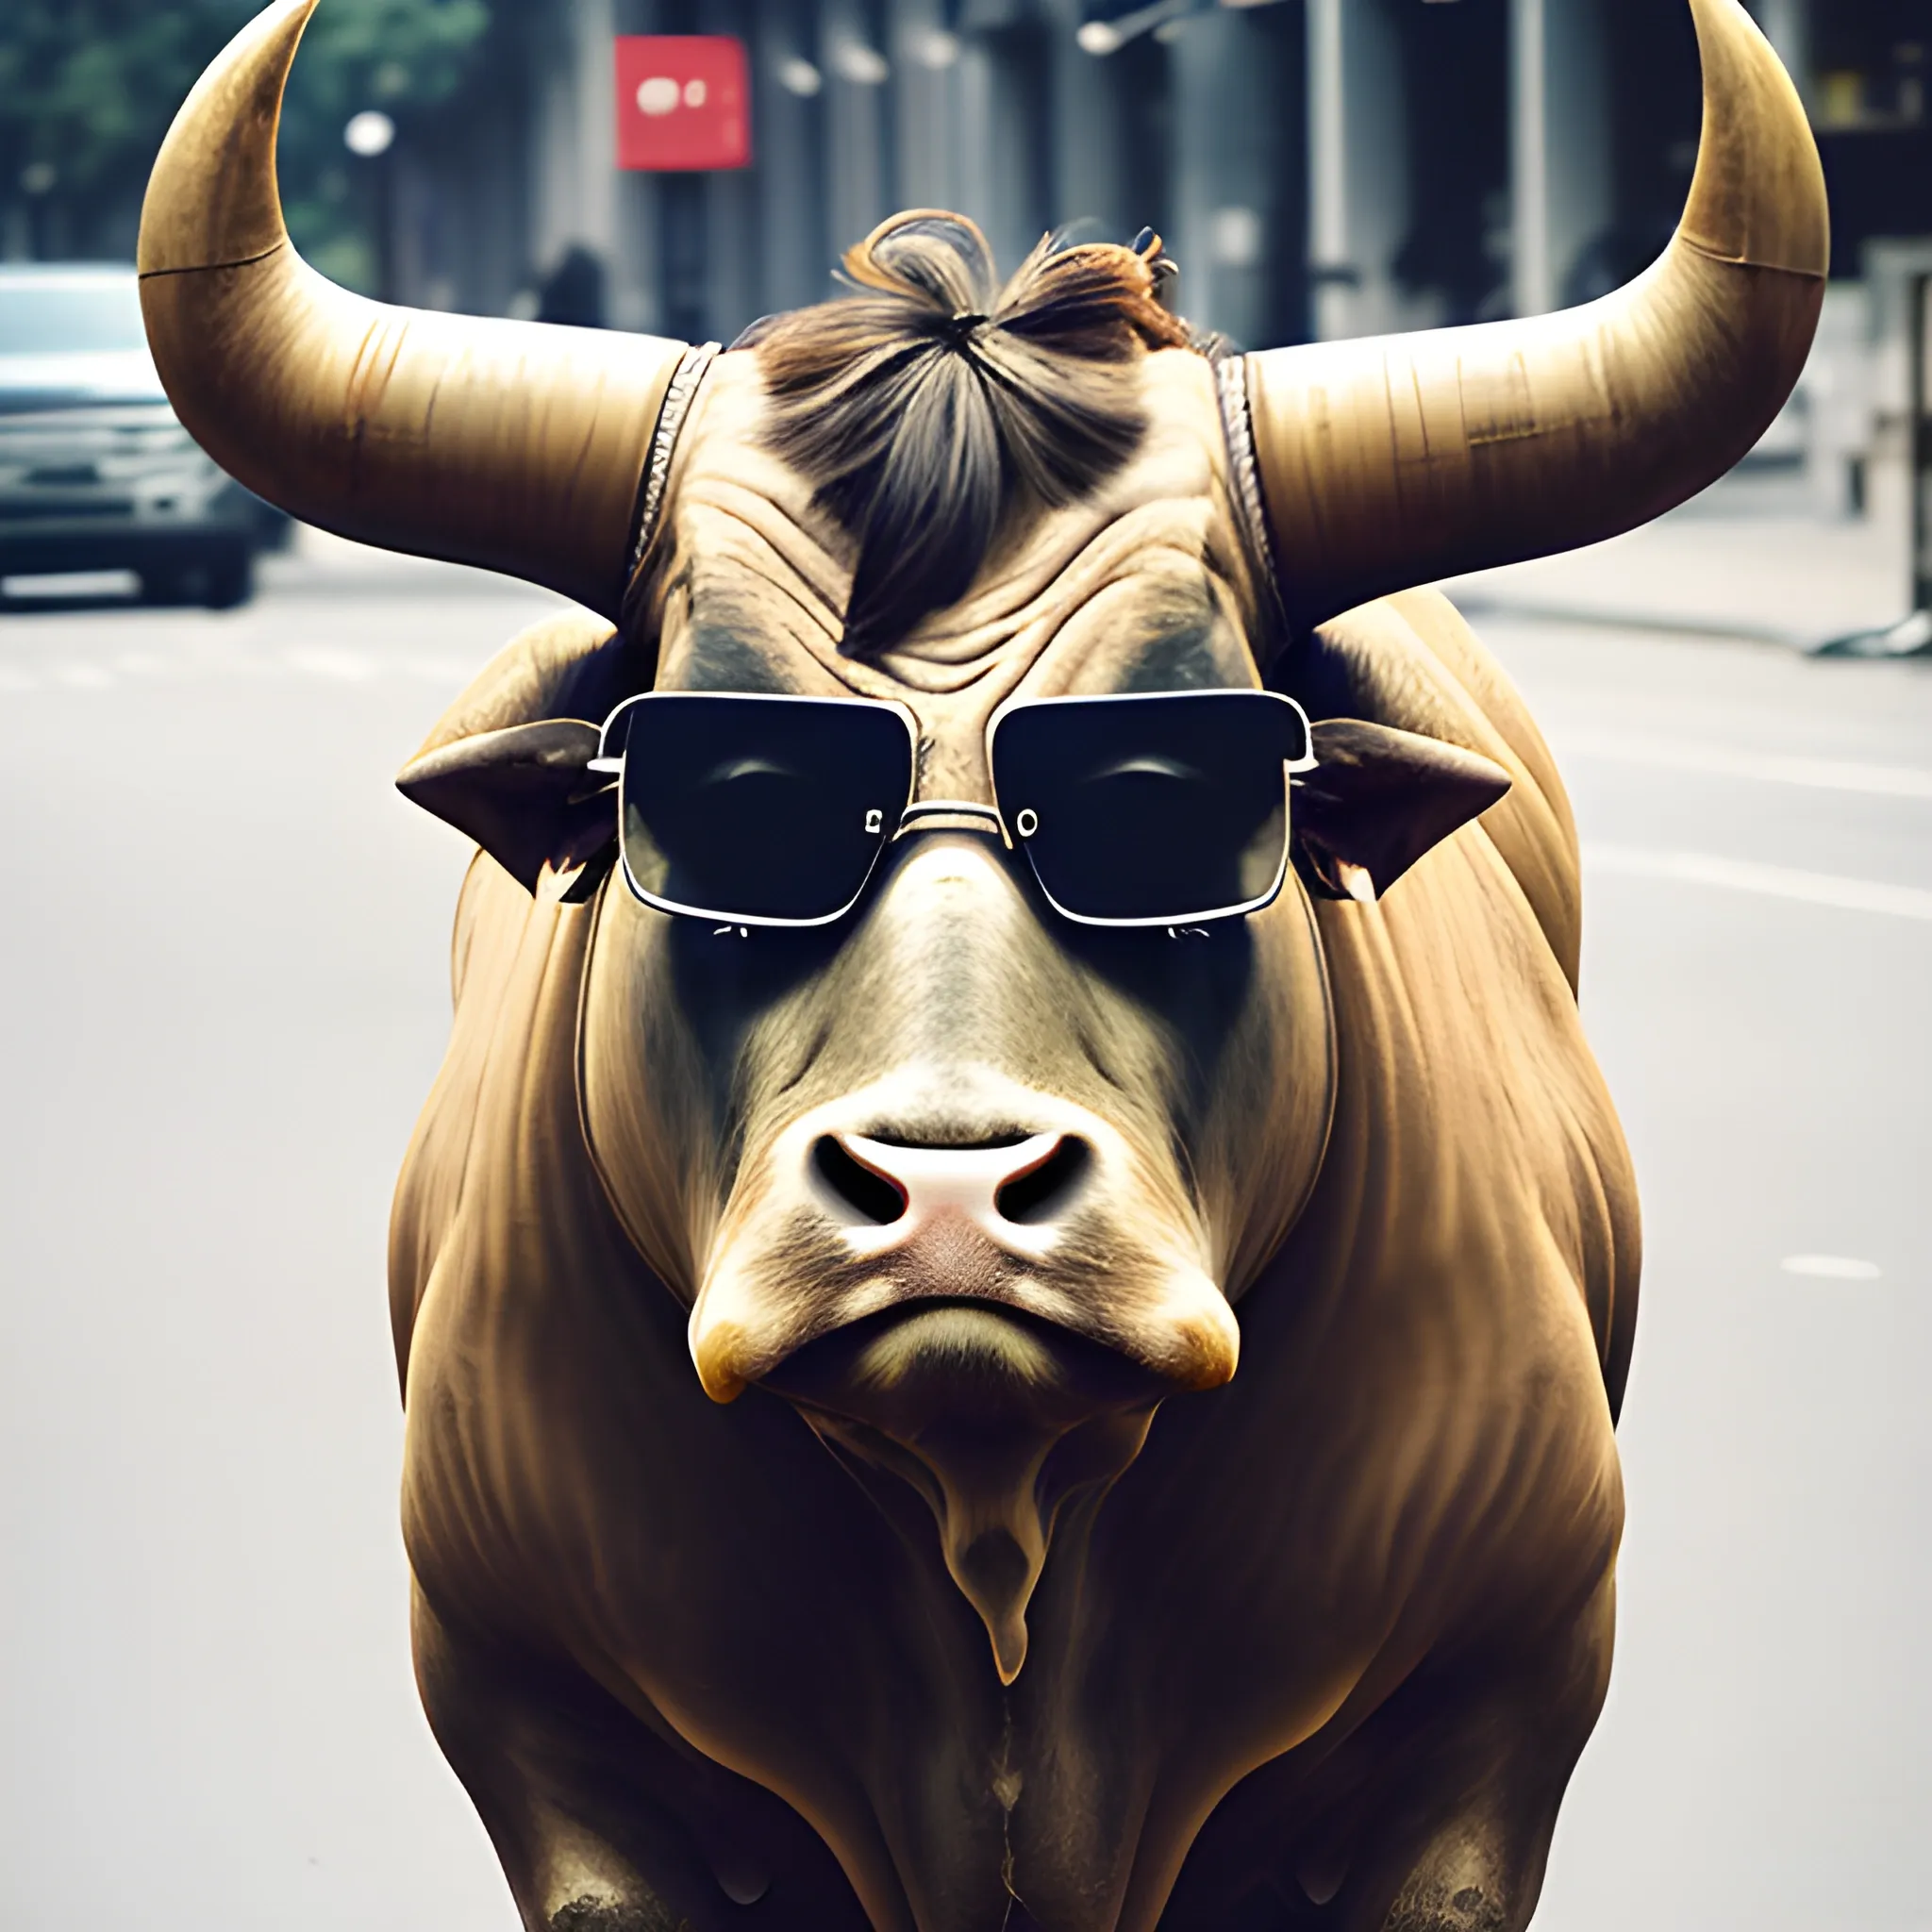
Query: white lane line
point(332, 665)
point(146, 664)
point(1831, 1268)
point(1728, 761)
point(345, 667)
point(1773, 881)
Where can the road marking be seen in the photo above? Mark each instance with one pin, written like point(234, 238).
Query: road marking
point(145, 664)
point(1728, 761)
point(330, 665)
point(1773, 881)
point(344, 666)
point(1831, 1268)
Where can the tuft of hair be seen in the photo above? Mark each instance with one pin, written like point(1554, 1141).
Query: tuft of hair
point(931, 400)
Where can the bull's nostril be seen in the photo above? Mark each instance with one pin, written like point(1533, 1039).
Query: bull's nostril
point(855, 1185)
point(985, 1143)
point(1046, 1191)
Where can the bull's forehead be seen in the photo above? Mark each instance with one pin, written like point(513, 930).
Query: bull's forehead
point(1143, 585)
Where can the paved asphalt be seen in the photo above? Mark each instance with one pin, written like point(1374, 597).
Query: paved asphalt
point(222, 995)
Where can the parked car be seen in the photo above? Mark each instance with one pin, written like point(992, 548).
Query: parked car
point(95, 471)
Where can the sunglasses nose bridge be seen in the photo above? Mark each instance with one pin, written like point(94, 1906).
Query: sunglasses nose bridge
point(950, 815)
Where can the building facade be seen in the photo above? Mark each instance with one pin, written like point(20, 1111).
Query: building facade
point(1319, 168)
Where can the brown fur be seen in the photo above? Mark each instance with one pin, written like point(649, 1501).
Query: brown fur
point(1342, 1627)
point(933, 402)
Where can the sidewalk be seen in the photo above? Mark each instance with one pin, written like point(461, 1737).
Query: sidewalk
point(1708, 568)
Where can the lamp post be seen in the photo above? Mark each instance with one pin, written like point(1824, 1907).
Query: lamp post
point(1912, 637)
point(1920, 433)
point(371, 136)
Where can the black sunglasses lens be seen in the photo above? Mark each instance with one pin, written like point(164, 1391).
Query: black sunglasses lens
point(759, 808)
point(1151, 810)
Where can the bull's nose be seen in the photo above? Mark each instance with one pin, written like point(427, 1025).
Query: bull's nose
point(959, 1185)
point(886, 1193)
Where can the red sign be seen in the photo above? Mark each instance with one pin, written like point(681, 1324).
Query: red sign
point(683, 102)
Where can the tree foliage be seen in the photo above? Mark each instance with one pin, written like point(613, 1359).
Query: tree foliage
point(88, 87)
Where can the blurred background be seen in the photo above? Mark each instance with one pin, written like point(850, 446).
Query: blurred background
point(1320, 167)
point(224, 939)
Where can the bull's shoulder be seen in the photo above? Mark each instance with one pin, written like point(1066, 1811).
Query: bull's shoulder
point(1411, 662)
point(516, 961)
point(492, 916)
point(572, 666)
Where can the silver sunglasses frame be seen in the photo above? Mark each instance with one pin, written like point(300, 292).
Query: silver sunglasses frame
point(1012, 835)
point(604, 764)
point(1306, 762)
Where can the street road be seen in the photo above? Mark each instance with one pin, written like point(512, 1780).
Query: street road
point(223, 997)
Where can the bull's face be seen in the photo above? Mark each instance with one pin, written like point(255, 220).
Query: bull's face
point(975, 1187)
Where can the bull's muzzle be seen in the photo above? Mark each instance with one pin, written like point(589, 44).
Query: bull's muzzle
point(994, 1317)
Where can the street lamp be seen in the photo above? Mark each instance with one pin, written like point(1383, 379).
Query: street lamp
point(369, 136)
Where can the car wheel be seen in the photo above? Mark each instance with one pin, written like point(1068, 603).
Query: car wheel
point(228, 580)
point(217, 579)
point(170, 583)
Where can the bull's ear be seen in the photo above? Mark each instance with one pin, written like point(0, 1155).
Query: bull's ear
point(524, 793)
point(1378, 800)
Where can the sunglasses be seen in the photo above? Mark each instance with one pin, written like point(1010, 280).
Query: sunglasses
point(1164, 810)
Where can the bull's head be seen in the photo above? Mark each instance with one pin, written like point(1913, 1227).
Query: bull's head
point(972, 1183)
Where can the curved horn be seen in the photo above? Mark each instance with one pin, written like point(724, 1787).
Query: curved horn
point(512, 445)
point(1390, 463)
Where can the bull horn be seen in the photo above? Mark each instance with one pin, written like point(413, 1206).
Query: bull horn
point(1391, 462)
point(512, 445)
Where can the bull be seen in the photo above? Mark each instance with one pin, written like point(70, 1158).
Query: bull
point(946, 1408)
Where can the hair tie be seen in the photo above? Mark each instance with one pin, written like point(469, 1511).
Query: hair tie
point(960, 326)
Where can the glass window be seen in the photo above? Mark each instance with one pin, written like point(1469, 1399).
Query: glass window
point(84, 317)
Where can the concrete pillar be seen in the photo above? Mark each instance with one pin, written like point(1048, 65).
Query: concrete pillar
point(856, 70)
point(974, 136)
point(578, 157)
point(1236, 114)
point(489, 204)
point(926, 67)
point(788, 134)
point(1092, 172)
point(733, 238)
point(733, 246)
point(554, 152)
point(1559, 164)
point(1787, 24)
point(1358, 167)
point(1004, 150)
point(578, 195)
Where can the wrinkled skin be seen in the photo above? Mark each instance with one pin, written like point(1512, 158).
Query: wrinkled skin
point(1230, 1546)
